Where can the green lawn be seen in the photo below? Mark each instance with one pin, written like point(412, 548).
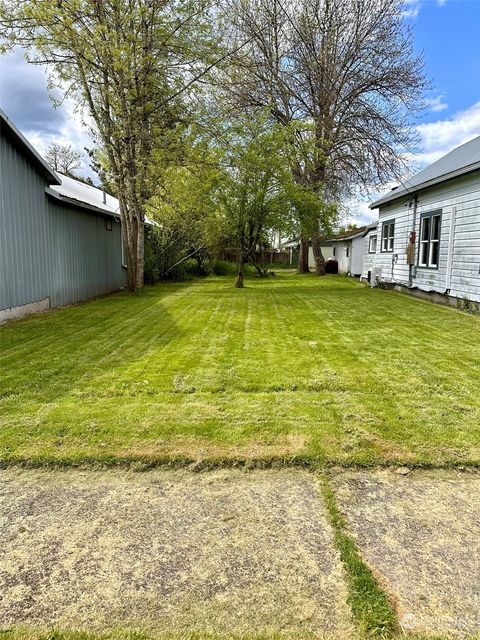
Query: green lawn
point(293, 367)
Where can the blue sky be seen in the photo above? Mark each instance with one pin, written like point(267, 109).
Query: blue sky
point(447, 31)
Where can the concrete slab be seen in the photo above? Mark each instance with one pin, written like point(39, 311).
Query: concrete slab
point(420, 533)
point(226, 551)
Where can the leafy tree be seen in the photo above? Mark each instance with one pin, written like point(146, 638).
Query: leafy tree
point(128, 63)
point(255, 187)
point(186, 202)
point(346, 72)
point(63, 158)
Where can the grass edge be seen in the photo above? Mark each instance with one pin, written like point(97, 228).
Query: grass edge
point(372, 610)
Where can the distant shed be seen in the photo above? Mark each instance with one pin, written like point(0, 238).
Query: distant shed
point(60, 242)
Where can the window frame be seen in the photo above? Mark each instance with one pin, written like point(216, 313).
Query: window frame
point(430, 215)
point(387, 223)
point(373, 236)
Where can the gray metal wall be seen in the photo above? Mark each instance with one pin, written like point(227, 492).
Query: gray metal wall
point(48, 249)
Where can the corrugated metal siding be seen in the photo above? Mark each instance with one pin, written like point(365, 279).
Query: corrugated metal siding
point(47, 249)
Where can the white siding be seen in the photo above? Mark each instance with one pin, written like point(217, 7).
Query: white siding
point(356, 260)
point(341, 255)
point(368, 258)
point(327, 254)
point(460, 276)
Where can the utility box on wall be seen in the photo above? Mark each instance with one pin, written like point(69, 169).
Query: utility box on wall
point(410, 253)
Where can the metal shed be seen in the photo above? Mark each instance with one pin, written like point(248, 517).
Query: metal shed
point(60, 240)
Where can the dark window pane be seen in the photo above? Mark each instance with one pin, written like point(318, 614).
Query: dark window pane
point(423, 253)
point(434, 254)
point(425, 229)
point(435, 228)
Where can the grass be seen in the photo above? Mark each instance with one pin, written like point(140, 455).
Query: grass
point(371, 609)
point(292, 369)
point(57, 634)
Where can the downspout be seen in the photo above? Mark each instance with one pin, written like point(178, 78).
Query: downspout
point(451, 240)
point(412, 239)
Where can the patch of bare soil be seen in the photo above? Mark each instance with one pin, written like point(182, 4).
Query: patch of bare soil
point(225, 551)
point(420, 533)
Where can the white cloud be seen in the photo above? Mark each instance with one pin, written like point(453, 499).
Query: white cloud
point(357, 211)
point(412, 7)
point(440, 137)
point(436, 104)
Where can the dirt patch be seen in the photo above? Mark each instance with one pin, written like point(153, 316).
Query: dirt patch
point(420, 532)
point(224, 551)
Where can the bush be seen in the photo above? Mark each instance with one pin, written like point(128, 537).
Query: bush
point(331, 266)
point(223, 268)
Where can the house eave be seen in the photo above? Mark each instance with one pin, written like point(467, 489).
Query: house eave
point(404, 193)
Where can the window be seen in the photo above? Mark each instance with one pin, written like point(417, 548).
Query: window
point(372, 244)
point(388, 234)
point(334, 251)
point(429, 245)
point(348, 252)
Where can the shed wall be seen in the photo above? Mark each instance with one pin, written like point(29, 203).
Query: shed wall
point(48, 250)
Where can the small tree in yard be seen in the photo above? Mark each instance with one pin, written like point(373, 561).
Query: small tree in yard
point(127, 62)
point(254, 188)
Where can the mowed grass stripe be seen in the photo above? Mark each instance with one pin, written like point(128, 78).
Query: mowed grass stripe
point(293, 366)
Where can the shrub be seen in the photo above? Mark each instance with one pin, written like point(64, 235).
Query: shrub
point(331, 266)
point(223, 268)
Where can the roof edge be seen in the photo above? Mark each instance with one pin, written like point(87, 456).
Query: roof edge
point(31, 152)
point(80, 204)
point(391, 197)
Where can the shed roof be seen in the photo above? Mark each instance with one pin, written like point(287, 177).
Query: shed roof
point(463, 159)
point(77, 193)
point(19, 139)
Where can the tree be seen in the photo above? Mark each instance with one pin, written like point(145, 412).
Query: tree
point(63, 158)
point(186, 199)
point(128, 63)
point(255, 187)
point(346, 72)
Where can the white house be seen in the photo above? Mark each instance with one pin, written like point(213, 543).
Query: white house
point(428, 235)
point(348, 250)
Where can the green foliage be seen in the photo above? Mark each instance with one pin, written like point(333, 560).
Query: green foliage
point(225, 268)
point(129, 64)
point(186, 180)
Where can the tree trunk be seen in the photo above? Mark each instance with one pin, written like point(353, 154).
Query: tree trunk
point(241, 272)
point(303, 256)
point(318, 257)
point(140, 255)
